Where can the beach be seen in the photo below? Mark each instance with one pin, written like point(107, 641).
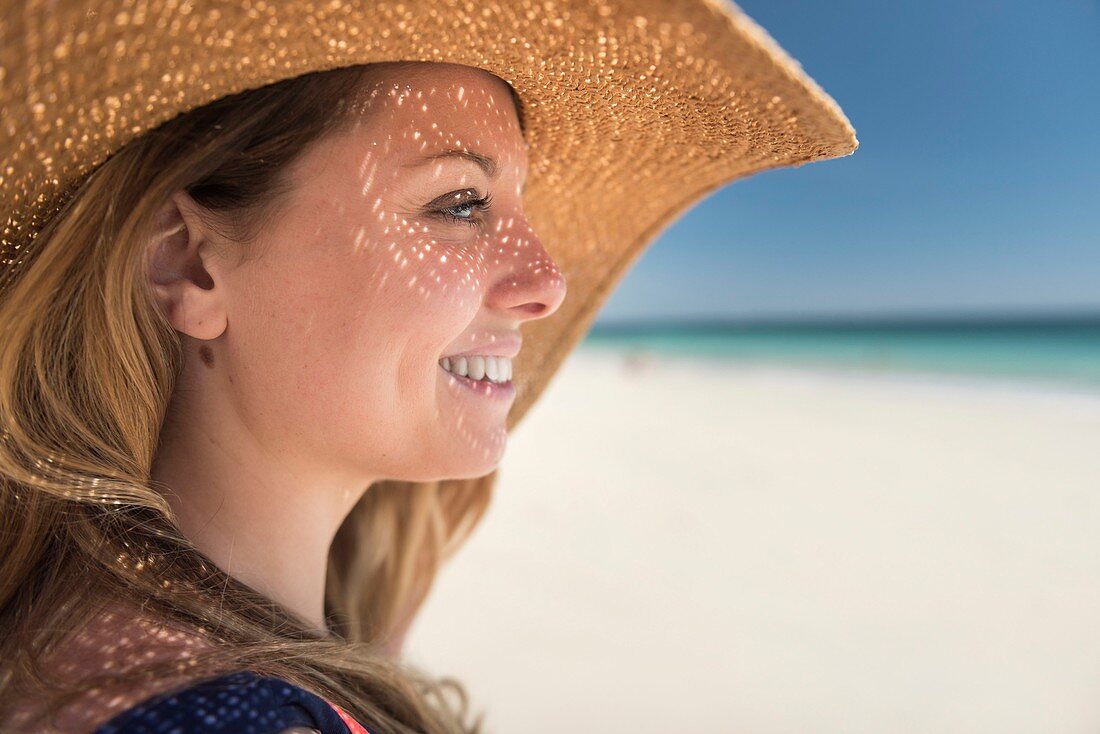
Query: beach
point(690, 545)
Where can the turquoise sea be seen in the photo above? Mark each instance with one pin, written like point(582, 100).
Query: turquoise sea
point(1061, 351)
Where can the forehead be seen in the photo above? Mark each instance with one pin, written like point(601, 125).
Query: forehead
point(426, 107)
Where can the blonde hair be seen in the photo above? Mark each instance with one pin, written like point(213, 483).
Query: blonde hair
point(87, 366)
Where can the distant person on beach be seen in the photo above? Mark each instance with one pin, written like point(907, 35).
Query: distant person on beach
point(637, 361)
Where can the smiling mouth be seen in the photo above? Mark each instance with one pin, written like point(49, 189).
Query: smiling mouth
point(480, 368)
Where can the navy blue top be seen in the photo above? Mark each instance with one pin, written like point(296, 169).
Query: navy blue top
point(239, 703)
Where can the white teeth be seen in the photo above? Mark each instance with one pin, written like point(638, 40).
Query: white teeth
point(492, 368)
point(476, 368)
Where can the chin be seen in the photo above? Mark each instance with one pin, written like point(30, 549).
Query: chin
point(473, 469)
point(457, 473)
point(477, 459)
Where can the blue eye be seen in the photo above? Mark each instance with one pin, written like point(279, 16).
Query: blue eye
point(465, 211)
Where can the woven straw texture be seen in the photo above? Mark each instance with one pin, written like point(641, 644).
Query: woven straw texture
point(635, 109)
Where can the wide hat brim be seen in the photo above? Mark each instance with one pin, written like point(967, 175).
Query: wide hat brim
point(634, 109)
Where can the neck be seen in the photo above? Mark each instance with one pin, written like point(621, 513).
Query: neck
point(265, 517)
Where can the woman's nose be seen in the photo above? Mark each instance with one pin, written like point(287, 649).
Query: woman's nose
point(529, 284)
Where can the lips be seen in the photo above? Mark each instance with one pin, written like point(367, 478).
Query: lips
point(498, 345)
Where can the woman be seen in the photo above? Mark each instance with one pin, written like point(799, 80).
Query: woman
point(265, 270)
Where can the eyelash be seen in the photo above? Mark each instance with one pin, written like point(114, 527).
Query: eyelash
point(481, 205)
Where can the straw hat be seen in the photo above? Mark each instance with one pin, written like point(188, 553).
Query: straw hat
point(634, 109)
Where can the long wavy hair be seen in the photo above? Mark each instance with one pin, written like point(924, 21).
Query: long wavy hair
point(87, 367)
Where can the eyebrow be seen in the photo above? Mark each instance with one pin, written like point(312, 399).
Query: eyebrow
point(486, 163)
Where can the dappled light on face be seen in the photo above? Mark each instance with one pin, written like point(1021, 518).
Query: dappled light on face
point(407, 235)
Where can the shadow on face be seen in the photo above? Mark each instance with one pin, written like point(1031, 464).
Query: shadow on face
point(375, 331)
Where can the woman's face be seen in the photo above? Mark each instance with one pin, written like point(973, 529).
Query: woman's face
point(384, 258)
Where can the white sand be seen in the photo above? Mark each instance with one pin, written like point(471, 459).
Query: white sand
point(711, 549)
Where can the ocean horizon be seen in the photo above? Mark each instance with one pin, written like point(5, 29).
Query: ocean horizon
point(1063, 350)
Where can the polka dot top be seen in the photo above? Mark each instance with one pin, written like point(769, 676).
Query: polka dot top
point(242, 703)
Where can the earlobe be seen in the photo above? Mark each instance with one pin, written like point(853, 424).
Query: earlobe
point(182, 270)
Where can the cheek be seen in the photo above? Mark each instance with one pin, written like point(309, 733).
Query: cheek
point(448, 275)
point(432, 294)
point(354, 329)
point(298, 341)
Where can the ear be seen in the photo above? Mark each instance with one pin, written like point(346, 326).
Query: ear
point(184, 275)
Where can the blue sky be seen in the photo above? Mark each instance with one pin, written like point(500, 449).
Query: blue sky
point(975, 190)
